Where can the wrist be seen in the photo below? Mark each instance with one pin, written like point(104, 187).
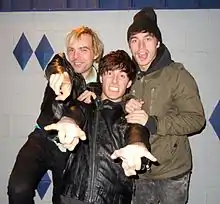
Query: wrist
point(67, 120)
point(151, 124)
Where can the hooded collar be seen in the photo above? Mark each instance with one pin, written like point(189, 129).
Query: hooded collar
point(162, 60)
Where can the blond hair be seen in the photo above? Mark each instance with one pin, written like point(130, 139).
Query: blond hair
point(97, 44)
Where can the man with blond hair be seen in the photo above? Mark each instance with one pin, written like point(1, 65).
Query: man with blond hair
point(84, 48)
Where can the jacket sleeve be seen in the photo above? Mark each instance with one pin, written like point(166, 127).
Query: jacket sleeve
point(188, 115)
point(137, 133)
point(76, 111)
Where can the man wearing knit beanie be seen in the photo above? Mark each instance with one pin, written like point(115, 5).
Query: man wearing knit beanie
point(166, 101)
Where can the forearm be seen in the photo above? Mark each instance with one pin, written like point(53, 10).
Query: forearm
point(76, 113)
point(137, 133)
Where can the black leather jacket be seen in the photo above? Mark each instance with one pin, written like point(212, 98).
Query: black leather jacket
point(51, 109)
point(93, 176)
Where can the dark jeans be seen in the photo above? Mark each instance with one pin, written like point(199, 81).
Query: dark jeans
point(167, 191)
point(67, 200)
point(33, 160)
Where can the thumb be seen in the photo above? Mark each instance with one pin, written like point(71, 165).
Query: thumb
point(142, 103)
point(116, 154)
point(51, 127)
point(82, 135)
point(148, 155)
point(60, 97)
point(66, 77)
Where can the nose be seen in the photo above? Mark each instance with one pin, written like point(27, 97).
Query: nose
point(74, 55)
point(115, 79)
point(141, 45)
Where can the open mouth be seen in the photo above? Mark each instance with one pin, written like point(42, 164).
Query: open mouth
point(113, 88)
point(78, 64)
point(142, 56)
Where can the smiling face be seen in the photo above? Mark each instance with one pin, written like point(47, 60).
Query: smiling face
point(81, 54)
point(114, 85)
point(116, 73)
point(143, 47)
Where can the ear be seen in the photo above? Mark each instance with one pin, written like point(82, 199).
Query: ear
point(100, 79)
point(129, 84)
point(158, 44)
point(95, 57)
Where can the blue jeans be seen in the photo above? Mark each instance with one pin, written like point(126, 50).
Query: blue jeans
point(167, 191)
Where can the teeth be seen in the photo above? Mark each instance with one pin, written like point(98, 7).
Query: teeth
point(113, 88)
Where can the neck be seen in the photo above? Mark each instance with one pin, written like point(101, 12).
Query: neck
point(103, 97)
point(145, 67)
point(89, 75)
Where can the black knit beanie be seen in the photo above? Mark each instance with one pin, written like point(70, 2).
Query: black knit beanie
point(147, 12)
point(145, 21)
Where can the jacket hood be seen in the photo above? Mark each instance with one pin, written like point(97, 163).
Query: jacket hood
point(162, 60)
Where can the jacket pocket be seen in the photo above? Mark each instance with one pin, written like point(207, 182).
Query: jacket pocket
point(161, 149)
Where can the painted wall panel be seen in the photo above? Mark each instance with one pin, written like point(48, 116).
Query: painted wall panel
point(159, 4)
point(33, 5)
point(209, 4)
point(82, 4)
point(175, 4)
point(47, 4)
point(21, 5)
point(113, 4)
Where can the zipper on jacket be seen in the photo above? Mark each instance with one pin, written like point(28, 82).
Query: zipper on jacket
point(142, 89)
point(92, 160)
point(151, 100)
point(134, 188)
point(152, 94)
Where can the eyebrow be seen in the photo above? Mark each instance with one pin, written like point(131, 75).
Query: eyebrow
point(81, 47)
point(84, 47)
point(147, 34)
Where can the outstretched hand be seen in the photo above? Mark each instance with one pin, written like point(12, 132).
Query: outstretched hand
point(131, 157)
point(69, 133)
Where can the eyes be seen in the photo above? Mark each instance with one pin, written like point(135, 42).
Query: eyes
point(121, 75)
point(70, 50)
point(81, 50)
point(135, 40)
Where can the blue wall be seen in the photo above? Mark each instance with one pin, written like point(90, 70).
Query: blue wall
point(45, 5)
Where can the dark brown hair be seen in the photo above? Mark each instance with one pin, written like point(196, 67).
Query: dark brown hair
point(117, 60)
point(60, 64)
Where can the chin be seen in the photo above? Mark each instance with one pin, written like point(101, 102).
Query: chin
point(143, 63)
point(112, 98)
point(79, 70)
